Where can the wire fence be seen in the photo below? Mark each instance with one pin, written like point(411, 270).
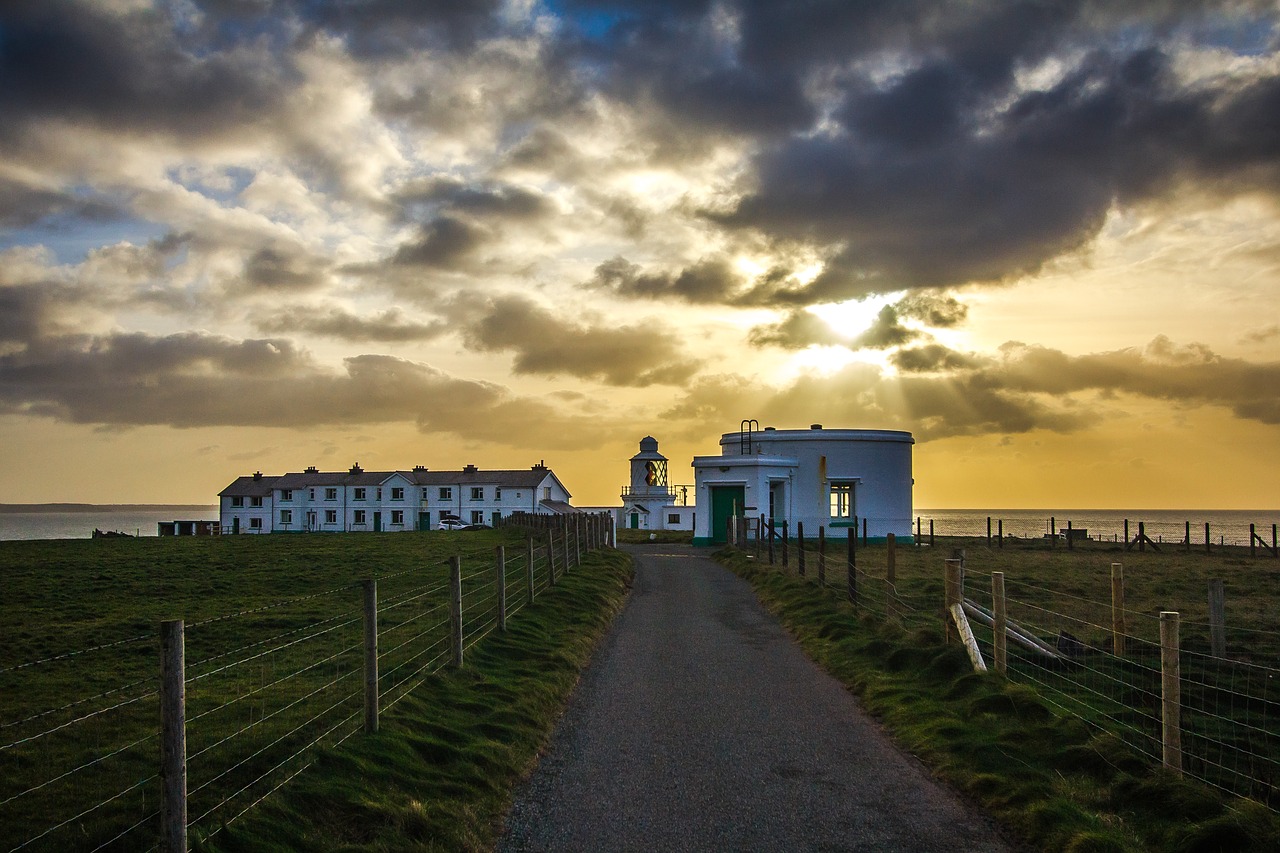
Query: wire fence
point(1088, 654)
point(265, 689)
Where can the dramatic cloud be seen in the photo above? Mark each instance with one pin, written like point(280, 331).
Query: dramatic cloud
point(391, 325)
point(545, 344)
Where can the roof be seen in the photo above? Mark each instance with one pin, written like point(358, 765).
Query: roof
point(524, 478)
point(558, 507)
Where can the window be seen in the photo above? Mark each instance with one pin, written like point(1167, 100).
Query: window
point(842, 500)
point(255, 524)
point(358, 517)
point(446, 493)
point(497, 493)
point(237, 501)
point(255, 501)
point(331, 494)
point(425, 496)
point(311, 494)
point(379, 494)
point(477, 493)
point(397, 516)
point(286, 494)
point(546, 493)
point(286, 516)
point(330, 516)
point(477, 516)
point(397, 494)
point(359, 495)
point(673, 518)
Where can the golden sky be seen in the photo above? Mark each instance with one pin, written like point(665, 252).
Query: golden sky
point(240, 235)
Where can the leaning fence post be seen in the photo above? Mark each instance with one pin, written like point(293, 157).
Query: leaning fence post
point(1117, 609)
point(953, 591)
point(551, 557)
point(771, 532)
point(528, 575)
point(370, 656)
point(786, 542)
point(173, 738)
point(455, 609)
point(851, 564)
point(501, 580)
point(999, 610)
point(1170, 691)
point(800, 548)
point(1217, 618)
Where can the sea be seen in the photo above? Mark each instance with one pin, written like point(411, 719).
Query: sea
point(1230, 527)
point(78, 521)
point(1226, 526)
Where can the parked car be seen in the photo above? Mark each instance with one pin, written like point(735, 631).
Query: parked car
point(451, 524)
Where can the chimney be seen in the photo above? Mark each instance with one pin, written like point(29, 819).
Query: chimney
point(470, 469)
point(419, 467)
point(815, 426)
point(356, 469)
point(541, 466)
point(311, 469)
point(257, 475)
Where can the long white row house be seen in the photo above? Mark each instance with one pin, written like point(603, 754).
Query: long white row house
point(359, 500)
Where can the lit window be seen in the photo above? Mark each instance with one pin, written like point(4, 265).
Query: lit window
point(397, 516)
point(477, 493)
point(359, 495)
point(397, 494)
point(842, 500)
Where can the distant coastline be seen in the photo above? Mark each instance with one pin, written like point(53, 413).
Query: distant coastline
point(97, 508)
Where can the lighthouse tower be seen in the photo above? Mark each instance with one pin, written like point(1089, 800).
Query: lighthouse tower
point(649, 491)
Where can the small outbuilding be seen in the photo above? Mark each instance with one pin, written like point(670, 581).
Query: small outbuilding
point(850, 481)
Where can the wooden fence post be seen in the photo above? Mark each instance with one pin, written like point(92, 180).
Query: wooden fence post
point(1118, 628)
point(771, 541)
point(851, 564)
point(455, 609)
point(528, 575)
point(173, 738)
point(551, 555)
point(800, 548)
point(1000, 612)
point(786, 542)
point(931, 533)
point(1000, 533)
point(1071, 540)
point(822, 555)
point(1217, 618)
point(500, 569)
point(371, 656)
point(1206, 537)
point(953, 593)
point(988, 531)
point(891, 559)
point(1170, 692)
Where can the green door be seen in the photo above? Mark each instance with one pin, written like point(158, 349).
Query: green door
point(377, 522)
point(635, 521)
point(726, 502)
point(424, 520)
point(235, 524)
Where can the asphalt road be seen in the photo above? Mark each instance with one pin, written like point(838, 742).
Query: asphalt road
point(700, 725)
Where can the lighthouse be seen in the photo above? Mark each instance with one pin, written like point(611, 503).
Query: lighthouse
point(649, 501)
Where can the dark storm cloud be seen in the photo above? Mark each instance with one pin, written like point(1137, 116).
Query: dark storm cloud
point(481, 199)
point(708, 281)
point(387, 326)
point(195, 380)
point(276, 269)
point(22, 205)
point(543, 343)
point(79, 62)
point(799, 329)
point(445, 242)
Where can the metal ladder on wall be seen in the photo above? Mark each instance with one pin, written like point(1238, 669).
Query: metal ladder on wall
point(748, 429)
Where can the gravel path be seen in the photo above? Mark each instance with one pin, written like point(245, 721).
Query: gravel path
point(700, 725)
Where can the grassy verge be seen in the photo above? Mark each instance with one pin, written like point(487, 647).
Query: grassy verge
point(439, 773)
point(654, 537)
point(1054, 782)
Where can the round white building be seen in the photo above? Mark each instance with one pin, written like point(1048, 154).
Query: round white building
point(842, 479)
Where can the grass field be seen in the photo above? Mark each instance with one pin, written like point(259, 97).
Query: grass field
point(1053, 750)
point(274, 657)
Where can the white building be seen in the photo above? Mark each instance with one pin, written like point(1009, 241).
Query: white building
point(843, 479)
point(650, 501)
point(356, 500)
